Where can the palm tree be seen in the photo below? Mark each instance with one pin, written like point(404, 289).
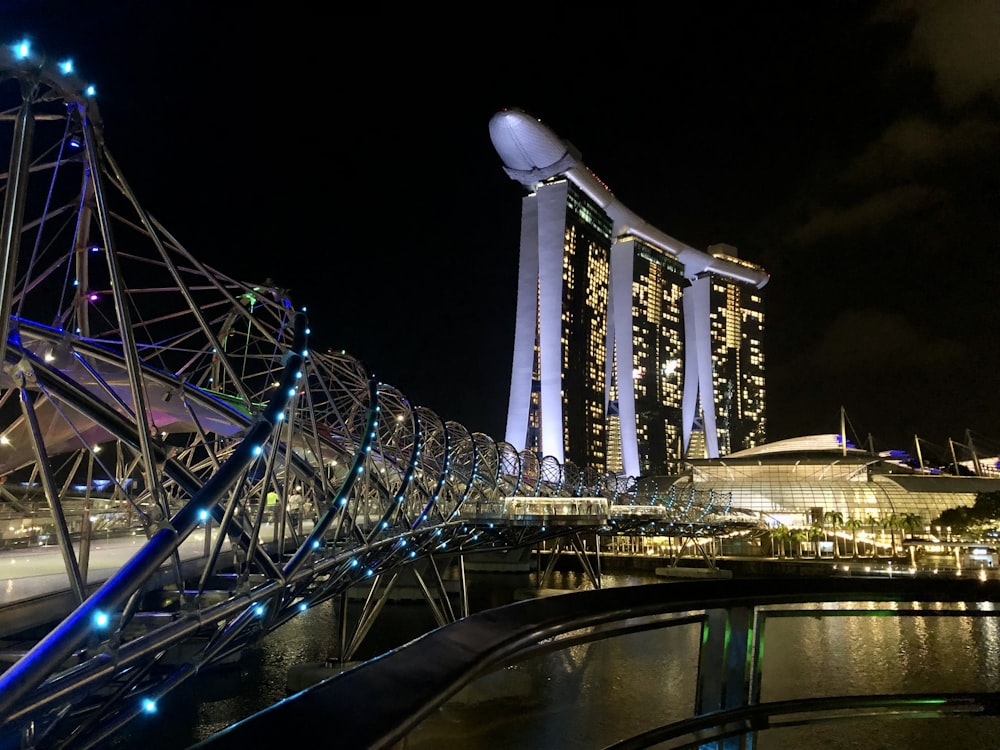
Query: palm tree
point(872, 523)
point(891, 522)
point(797, 536)
point(780, 534)
point(853, 523)
point(912, 522)
point(816, 532)
point(834, 518)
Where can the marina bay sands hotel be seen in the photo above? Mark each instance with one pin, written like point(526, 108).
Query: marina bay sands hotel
point(632, 350)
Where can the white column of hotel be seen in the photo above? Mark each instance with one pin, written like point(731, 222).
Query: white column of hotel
point(620, 309)
point(524, 328)
point(551, 247)
point(698, 363)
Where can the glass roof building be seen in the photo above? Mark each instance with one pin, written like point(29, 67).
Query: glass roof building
point(796, 482)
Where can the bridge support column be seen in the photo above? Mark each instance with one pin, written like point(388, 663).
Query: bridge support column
point(724, 668)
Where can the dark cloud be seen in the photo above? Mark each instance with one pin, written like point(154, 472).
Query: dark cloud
point(865, 341)
point(958, 42)
point(914, 145)
point(880, 367)
point(868, 213)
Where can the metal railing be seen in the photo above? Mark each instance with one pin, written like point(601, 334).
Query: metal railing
point(733, 616)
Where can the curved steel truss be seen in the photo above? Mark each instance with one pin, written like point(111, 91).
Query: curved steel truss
point(196, 401)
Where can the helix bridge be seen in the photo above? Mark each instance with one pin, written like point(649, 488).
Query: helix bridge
point(193, 396)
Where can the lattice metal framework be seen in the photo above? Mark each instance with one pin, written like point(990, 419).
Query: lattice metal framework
point(196, 396)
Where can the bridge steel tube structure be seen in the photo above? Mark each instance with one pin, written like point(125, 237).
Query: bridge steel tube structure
point(194, 395)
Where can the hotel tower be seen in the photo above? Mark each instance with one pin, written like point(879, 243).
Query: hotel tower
point(632, 350)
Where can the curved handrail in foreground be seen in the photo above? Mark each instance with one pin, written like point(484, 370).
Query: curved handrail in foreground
point(422, 675)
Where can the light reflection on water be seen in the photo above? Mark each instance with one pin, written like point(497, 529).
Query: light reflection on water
point(859, 654)
point(592, 694)
point(585, 696)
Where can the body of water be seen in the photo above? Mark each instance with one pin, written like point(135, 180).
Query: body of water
point(590, 695)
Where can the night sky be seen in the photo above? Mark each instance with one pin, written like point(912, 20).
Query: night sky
point(851, 148)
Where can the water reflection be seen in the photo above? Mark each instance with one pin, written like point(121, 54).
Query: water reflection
point(589, 695)
point(586, 696)
point(870, 654)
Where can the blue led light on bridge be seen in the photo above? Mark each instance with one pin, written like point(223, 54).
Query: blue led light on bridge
point(66, 67)
point(324, 426)
point(22, 49)
point(91, 90)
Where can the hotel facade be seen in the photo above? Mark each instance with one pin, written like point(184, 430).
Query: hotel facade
point(633, 351)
